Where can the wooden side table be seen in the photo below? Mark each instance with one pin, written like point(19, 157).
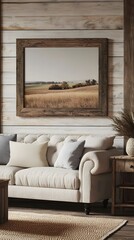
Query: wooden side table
point(121, 164)
point(3, 200)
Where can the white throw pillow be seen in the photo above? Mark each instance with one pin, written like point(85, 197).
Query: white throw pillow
point(99, 142)
point(70, 155)
point(28, 154)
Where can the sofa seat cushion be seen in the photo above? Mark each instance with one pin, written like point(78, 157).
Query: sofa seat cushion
point(48, 177)
point(8, 172)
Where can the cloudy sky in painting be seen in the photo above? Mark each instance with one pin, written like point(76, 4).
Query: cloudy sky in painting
point(61, 64)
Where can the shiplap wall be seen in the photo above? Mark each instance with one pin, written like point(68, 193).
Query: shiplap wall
point(59, 19)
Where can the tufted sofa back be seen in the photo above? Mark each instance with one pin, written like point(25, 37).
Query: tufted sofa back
point(55, 143)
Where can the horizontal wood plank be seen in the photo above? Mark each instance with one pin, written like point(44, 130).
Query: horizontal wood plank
point(63, 9)
point(8, 78)
point(58, 129)
point(116, 92)
point(50, 123)
point(8, 50)
point(112, 35)
point(11, 119)
point(9, 65)
point(23, 1)
point(116, 49)
point(63, 22)
point(115, 80)
point(9, 91)
point(115, 67)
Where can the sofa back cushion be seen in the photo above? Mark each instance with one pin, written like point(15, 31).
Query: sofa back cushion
point(56, 142)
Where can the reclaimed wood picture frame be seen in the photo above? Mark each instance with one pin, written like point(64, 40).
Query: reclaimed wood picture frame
point(62, 77)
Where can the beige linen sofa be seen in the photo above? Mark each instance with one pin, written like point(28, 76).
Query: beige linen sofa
point(39, 168)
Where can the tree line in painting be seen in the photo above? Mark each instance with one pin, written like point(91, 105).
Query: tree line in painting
point(65, 85)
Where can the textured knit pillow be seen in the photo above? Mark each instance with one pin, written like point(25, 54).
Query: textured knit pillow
point(70, 155)
point(4, 147)
point(28, 154)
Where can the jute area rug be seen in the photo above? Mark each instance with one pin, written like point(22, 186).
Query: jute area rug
point(36, 226)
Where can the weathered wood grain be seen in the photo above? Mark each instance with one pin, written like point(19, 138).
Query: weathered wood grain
point(116, 49)
point(9, 91)
point(63, 9)
point(58, 129)
point(129, 55)
point(67, 121)
point(115, 80)
point(115, 67)
point(112, 35)
point(8, 50)
point(116, 92)
point(63, 22)
point(20, 1)
point(9, 116)
point(8, 78)
point(9, 65)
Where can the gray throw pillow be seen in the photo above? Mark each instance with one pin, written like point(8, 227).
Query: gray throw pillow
point(4, 147)
point(70, 155)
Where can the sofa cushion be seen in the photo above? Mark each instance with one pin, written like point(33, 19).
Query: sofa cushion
point(8, 172)
point(27, 154)
point(99, 142)
point(70, 155)
point(4, 147)
point(48, 177)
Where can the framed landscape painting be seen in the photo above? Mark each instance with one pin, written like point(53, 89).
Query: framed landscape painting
point(62, 77)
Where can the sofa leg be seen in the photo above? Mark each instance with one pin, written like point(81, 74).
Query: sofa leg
point(105, 203)
point(87, 208)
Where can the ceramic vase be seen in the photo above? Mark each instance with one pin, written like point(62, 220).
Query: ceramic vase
point(130, 147)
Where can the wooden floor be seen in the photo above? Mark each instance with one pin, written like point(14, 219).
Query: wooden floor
point(125, 233)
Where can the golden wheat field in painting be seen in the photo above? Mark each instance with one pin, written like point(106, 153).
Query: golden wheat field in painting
point(81, 97)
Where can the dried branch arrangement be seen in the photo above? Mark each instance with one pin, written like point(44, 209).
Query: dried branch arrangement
point(124, 124)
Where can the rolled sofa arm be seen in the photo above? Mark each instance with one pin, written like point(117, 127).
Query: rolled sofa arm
point(99, 161)
point(92, 165)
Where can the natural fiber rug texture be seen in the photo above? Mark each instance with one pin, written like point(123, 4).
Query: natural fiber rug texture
point(35, 226)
